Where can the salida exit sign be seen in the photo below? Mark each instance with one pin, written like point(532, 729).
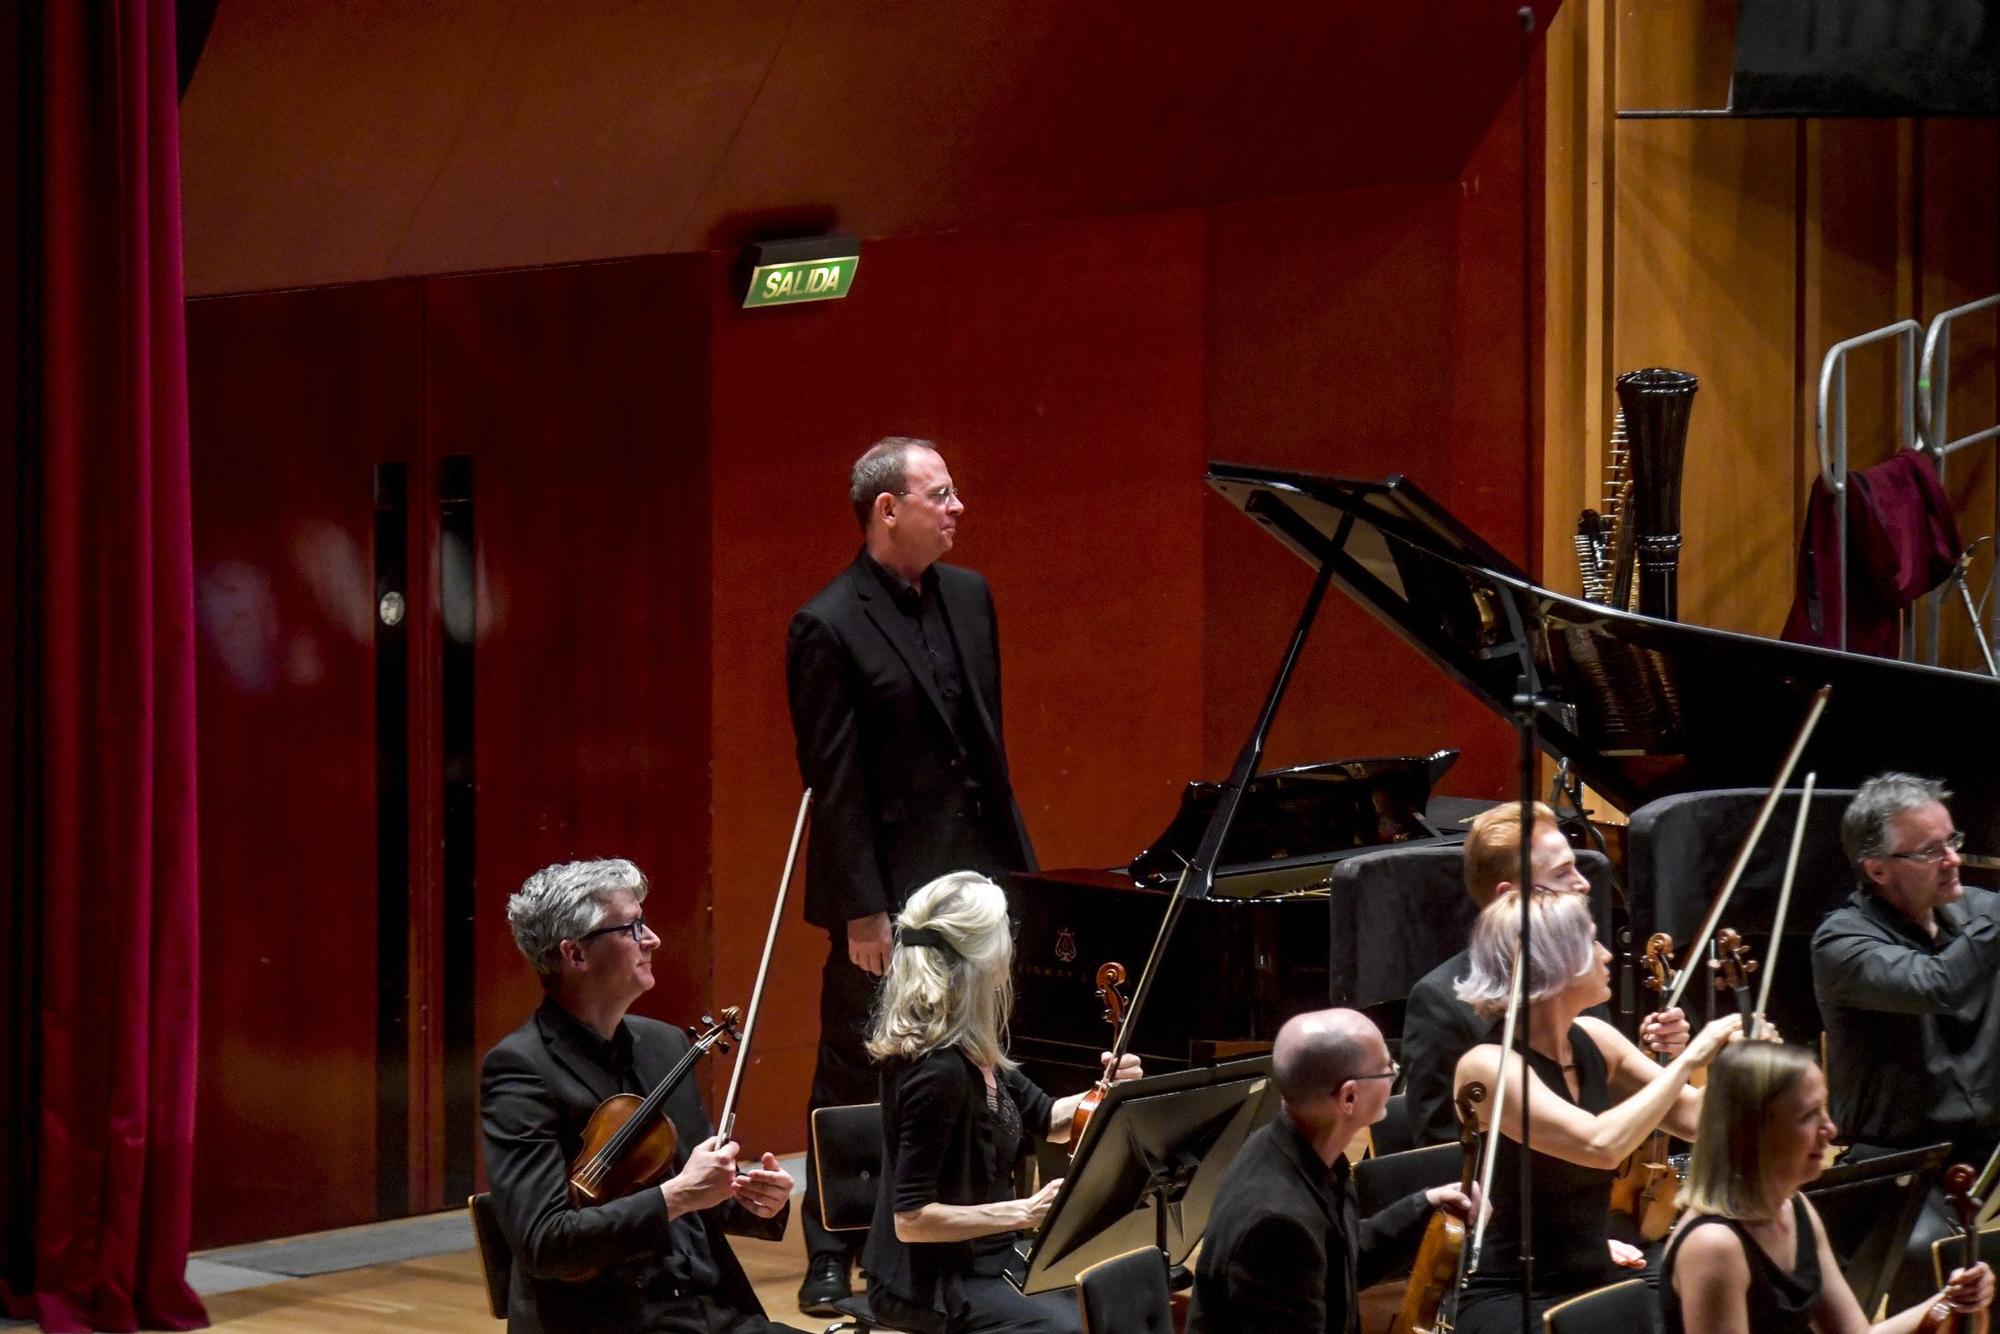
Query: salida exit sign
point(819, 268)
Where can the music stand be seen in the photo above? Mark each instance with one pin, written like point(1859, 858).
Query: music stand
point(1869, 1208)
point(1148, 1169)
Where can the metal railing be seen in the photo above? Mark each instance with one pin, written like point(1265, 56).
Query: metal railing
point(1832, 429)
point(1934, 397)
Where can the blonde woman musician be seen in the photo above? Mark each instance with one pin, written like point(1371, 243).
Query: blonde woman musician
point(956, 1117)
point(1750, 1254)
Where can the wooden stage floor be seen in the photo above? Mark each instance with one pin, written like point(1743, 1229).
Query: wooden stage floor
point(446, 1292)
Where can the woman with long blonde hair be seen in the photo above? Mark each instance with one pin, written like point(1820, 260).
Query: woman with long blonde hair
point(1750, 1255)
point(957, 1115)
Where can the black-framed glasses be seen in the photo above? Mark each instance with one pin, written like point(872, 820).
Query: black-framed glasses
point(941, 497)
point(1933, 852)
point(635, 929)
point(1395, 1068)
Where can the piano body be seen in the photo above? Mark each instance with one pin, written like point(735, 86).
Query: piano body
point(1641, 708)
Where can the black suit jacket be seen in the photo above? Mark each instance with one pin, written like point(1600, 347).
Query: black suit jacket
point(589, 1269)
point(899, 797)
point(1277, 1254)
point(1438, 1028)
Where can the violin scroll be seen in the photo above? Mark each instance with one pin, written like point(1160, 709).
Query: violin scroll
point(1109, 978)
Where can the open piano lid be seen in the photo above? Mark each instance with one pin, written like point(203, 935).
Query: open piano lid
point(1642, 708)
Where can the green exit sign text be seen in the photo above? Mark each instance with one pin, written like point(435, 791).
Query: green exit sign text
point(801, 280)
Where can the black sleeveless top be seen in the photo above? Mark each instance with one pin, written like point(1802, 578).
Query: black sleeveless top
point(1776, 1302)
point(1571, 1204)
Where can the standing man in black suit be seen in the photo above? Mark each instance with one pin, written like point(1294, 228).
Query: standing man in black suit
point(893, 671)
point(652, 1260)
point(1285, 1251)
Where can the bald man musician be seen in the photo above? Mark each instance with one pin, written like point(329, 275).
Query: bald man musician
point(1285, 1249)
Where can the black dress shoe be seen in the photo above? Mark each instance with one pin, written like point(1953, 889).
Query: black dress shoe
point(826, 1283)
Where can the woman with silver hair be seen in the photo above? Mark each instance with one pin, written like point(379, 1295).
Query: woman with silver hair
point(1750, 1255)
point(1593, 1098)
point(957, 1115)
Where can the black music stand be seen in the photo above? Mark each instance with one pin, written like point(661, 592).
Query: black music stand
point(1869, 1207)
point(1149, 1166)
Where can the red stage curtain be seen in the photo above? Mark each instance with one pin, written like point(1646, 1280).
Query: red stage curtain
point(99, 914)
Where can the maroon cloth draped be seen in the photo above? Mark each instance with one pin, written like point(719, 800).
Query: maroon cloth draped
point(1902, 542)
point(101, 825)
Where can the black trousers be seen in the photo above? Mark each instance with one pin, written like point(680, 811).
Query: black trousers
point(842, 1076)
point(986, 1306)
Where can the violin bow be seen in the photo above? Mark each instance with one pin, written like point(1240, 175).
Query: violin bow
point(725, 1125)
point(1784, 905)
point(1516, 985)
point(1736, 868)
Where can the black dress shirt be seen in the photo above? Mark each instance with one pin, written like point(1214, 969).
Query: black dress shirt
point(1286, 1251)
point(1912, 1023)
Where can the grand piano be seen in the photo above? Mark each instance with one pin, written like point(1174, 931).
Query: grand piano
point(1641, 708)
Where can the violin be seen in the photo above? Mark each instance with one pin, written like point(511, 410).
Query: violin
point(1110, 977)
point(1441, 1255)
point(630, 1143)
point(1943, 1317)
point(1647, 1185)
point(1732, 966)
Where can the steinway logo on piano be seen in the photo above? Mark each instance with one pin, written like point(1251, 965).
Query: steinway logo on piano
point(1066, 945)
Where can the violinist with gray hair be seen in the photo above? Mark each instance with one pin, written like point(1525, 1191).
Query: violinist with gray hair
point(1907, 973)
point(655, 1259)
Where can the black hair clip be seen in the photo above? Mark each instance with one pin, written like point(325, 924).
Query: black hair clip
point(924, 935)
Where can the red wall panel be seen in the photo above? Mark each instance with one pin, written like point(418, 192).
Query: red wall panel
point(293, 397)
point(580, 395)
point(1329, 350)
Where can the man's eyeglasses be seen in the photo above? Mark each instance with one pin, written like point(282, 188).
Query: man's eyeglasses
point(941, 497)
point(635, 928)
point(1933, 852)
point(1394, 1069)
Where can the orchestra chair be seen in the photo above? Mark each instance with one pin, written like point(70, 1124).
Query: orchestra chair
point(1382, 1180)
point(1945, 1251)
point(496, 1262)
point(1630, 1307)
point(1678, 851)
point(1393, 1133)
point(1397, 912)
point(1869, 1209)
point(1127, 1294)
point(847, 1159)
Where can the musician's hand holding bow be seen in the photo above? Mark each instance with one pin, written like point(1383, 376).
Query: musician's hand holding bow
point(1970, 1289)
point(1665, 1032)
point(1714, 1036)
point(764, 1189)
point(1128, 1067)
point(706, 1180)
point(1453, 1200)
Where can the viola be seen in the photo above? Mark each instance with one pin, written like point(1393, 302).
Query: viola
point(1110, 977)
point(1647, 1185)
point(630, 1143)
point(1441, 1254)
point(1943, 1317)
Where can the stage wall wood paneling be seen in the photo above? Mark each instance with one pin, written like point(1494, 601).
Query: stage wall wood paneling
point(579, 394)
point(293, 397)
point(1741, 250)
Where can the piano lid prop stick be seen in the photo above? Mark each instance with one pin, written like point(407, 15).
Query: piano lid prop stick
point(1516, 985)
point(1701, 939)
point(1784, 904)
point(725, 1125)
